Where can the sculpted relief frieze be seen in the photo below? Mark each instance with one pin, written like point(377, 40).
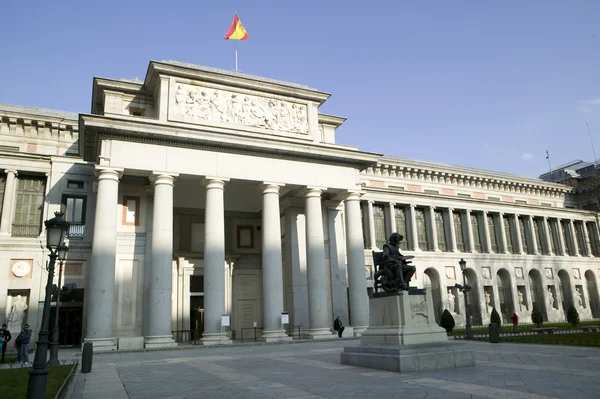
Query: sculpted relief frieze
point(197, 104)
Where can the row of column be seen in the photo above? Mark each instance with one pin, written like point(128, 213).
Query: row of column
point(449, 212)
point(8, 202)
point(157, 329)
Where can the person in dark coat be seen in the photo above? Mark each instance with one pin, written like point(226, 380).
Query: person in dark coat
point(5, 337)
point(338, 326)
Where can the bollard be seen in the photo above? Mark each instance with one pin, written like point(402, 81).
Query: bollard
point(86, 357)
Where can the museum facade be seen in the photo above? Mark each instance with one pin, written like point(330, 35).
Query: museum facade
point(204, 203)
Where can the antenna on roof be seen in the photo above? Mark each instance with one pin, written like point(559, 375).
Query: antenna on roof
point(549, 166)
point(593, 151)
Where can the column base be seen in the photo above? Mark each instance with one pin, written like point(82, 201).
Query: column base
point(275, 336)
point(159, 341)
point(102, 344)
point(320, 333)
point(215, 339)
point(356, 331)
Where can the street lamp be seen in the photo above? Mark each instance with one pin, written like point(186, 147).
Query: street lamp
point(56, 231)
point(62, 255)
point(465, 290)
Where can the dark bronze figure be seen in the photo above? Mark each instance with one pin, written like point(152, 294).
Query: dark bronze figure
point(393, 270)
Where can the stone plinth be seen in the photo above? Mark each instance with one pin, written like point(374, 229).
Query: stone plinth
point(403, 336)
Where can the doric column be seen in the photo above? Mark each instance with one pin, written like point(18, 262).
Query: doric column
point(486, 233)
point(214, 262)
point(9, 200)
point(433, 229)
point(413, 228)
point(504, 249)
point(586, 238)
point(535, 248)
point(316, 273)
point(161, 277)
point(470, 231)
point(371, 225)
point(391, 225)
point(359, 309)
point(561, 237)
point(100, 295)
point(272, 272)
point(518, 235)
point(574, 237)
point(548, 234)
point(450, 213)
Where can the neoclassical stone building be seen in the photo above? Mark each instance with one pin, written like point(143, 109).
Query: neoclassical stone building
point(199, 193)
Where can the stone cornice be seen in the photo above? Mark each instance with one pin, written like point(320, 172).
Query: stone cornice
point(152, 131)
point(333, 120)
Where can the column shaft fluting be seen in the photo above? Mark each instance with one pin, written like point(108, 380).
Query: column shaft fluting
point(9, 200)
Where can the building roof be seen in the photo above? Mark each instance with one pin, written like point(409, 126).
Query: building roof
point(39, 111)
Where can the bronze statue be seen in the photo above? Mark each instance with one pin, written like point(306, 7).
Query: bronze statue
point(393, 269)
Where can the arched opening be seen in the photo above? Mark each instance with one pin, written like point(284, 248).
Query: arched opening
point(565, 289)
point(505, 294)
point(537, 293)
point(473, 297)
point(592, 287)
point(431, 282)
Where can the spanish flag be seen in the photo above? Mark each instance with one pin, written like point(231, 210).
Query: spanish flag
point(236, 30)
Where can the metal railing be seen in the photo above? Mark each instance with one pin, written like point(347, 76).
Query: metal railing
point(26, 230)
point(76, 231)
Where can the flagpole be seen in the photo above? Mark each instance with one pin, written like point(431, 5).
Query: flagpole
point(236, 58)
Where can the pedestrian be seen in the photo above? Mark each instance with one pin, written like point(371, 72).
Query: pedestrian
point(5, 338)
point(338, 326)
point(515, 321)
point(22, 342)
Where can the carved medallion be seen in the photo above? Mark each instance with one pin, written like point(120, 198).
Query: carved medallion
point(21, 268)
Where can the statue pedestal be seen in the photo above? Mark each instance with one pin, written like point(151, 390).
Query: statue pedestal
point(403, 337)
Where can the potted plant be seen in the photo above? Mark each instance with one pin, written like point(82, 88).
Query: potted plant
point(494, 327)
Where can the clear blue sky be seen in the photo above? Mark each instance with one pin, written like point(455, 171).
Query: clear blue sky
point(484, 84)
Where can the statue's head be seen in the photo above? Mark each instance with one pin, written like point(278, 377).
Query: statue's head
point(396, 238)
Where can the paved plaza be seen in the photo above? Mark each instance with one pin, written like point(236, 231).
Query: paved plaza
point(313, 371)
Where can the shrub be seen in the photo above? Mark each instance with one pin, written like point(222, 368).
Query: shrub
point(495, 318)
point(447, 321)
point(573, 316)
point(536, 317)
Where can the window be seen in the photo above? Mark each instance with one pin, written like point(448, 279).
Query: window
point(400, 215)
point(421, 229)
point(538, 225)
point(553, 224)
point(476, 232)
point(131, 211)
point(510, 238)
point(593, 237)
point(491, 221)
point(524, 235)
point(458, 231)
point(29, 203)
point(75, 185)
point(440, 228)
point(74, 209)
point(580, 239)
point(379, 221)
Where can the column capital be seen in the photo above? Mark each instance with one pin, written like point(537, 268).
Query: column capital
point(271, 188)
point(392, 204)
point(412, 206)
point(214, 182)
point(108, 173)
point(501, 214)
point(450, 209)
point(370, 202)
point(163, 178)
point(432, 207)
point(11, 171)
point(312, 191)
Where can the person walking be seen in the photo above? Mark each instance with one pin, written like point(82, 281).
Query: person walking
point(22, 342)
point(5, 338)
point(338, 326)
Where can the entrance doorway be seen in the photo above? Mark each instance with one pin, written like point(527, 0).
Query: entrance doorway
point(196, 307)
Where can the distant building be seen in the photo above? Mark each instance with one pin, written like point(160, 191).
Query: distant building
point(584, 177)
point(200, 192)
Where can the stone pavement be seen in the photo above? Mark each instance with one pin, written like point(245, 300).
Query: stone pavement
point(313, 371)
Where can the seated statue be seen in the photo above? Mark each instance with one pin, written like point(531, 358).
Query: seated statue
point(395, 270)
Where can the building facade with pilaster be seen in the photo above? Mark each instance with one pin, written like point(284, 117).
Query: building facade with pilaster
point(204, 203)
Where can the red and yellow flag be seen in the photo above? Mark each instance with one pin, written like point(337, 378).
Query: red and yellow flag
point(236, 30)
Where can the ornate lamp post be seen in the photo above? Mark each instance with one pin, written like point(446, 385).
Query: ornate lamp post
point(465, 290)
point(56, 231)
point(62, 255)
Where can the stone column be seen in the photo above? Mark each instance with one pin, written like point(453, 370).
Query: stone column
point(450, 213)
point(574, 237)
point(561, 237)
point(433, 229)
point(272, 267)
point(8, 203)
point(470, 231)
point(316, 273)
point(548, 234)
point(536, 250)
point(586, 239)
point(214, 262)
point(100, 292)
point(357, 282)
point(371, 225)
point(161, 277)
point(504, 248)
point(391, 225)
point(519, 248)
point(486, 233)
point(413, 229)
